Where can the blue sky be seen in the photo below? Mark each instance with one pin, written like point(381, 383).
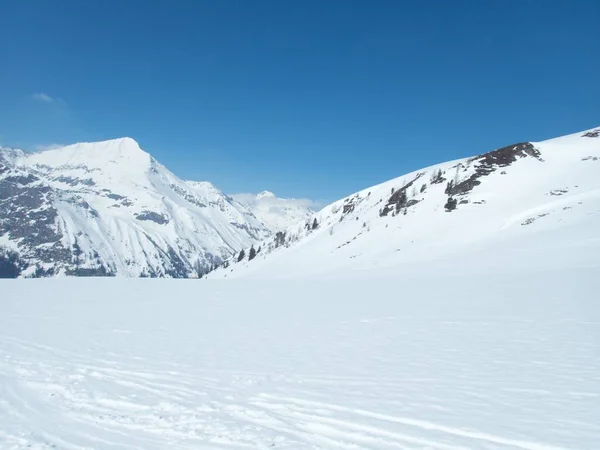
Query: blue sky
point(311, 99)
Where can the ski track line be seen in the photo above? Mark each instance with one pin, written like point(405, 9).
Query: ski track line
point(292, 417)
point(422, 424)
point(326, 425)
point(82, 413)
point(281, 426)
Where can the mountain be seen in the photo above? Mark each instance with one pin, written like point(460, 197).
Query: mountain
point(524, 198)
point(276, 213)
point(109, 208)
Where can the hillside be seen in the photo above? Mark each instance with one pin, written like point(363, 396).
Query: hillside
point(530, 195)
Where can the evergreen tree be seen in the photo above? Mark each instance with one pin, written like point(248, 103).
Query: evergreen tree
point(450, 204)
point(252, 253)
point(242, 255)
point(403, 199)
point(9, 265)
point(279, 238)
point(76, 252)
point(437, 177)
point(198, 268)
point(315, 224)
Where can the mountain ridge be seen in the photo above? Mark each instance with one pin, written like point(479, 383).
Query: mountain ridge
point(109, 208)
point(442, 210)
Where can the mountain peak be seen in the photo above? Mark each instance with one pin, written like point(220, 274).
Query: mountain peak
point(124, 141)
point(113, 147)
point(265, 194)
point(122, 151)
point(201, 184)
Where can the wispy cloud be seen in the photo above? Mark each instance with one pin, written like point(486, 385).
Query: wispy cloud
point(42, 97)
point(248, 198)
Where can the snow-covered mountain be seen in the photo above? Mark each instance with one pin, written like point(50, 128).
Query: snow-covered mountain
point(276, 213)
point(518, 198)
point(109, 208)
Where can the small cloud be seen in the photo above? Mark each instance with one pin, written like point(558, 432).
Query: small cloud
point(41, 97)
point(268, 198)
point(41, 148)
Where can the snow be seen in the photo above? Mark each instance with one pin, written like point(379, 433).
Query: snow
point(109, 196)
point(274, 212)
point(265, 194)
point(115, 160)
point(472, 329)
point(426, 359)
point(554, 200)
point(130, 215)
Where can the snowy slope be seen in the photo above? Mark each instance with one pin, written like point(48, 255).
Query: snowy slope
point(434, 360)
point(274, 212)
point(110, 208)
point(548, 189)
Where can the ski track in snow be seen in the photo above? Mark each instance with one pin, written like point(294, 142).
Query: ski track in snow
point(313, 364)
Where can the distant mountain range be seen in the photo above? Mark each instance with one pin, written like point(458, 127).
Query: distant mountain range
point(109, 208)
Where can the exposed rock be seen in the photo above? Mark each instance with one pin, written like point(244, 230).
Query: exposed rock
point(75, 181)
point(489, 162)
point(160, 219)
point(530, 220)
point(115, 196)
point(557, 192)
point(188, 196)
point(399, 197)
point(592, 134)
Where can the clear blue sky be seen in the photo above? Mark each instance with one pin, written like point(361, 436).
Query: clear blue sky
point(308, 98)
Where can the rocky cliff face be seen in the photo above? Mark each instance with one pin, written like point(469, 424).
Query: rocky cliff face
point(109, 208)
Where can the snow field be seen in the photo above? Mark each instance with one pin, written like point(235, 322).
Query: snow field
point(426, 361)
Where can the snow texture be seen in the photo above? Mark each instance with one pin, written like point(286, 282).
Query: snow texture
point(474, 327)
point(429, 359)
point(548, 190)
point(276, 213)
point(109, 208)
